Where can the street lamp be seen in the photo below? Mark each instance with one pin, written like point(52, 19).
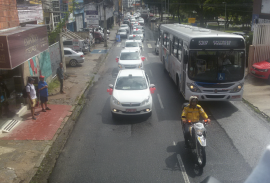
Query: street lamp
point(225, 15)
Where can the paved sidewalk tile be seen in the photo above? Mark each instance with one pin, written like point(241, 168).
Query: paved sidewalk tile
point(43, 128)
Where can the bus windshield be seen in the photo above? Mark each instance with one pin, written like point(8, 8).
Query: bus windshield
point(216, 66)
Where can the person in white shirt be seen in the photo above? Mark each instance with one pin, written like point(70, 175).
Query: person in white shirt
point(32, 96)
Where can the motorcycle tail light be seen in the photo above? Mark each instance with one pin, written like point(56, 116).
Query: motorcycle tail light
point(189, 121)
point(205, 120)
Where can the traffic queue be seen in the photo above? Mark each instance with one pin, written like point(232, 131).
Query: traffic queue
point(131, 92)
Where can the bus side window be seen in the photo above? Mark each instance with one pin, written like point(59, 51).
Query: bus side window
point(179, 50)
point(175, 47)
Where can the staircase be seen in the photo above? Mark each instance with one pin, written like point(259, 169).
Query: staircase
point(67, 34)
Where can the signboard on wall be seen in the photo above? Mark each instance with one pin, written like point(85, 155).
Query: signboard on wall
point(19, 44)
point(191, 20)
point(31, 13)
point(91, 16)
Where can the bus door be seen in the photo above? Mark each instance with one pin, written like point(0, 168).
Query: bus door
point(184, 74)
point(165, 50)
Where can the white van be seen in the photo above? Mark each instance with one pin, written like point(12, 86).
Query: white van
point(76, 44)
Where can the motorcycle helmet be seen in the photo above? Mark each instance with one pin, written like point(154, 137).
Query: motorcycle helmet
point(191, 98)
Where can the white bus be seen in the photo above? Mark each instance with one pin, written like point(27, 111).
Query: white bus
point(206, 63)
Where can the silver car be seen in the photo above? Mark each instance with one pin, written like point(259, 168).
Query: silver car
point(139, 33)
point(122, 32)
point(72, 57)
point(126, 27)
point(141, 21)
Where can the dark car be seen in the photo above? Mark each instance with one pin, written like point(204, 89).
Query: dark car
point(126, 22)
point(98, 37)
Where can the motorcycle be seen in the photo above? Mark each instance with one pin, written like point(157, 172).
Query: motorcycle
point(197, 139)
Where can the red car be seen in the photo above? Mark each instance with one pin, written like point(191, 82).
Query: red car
point(261, 69)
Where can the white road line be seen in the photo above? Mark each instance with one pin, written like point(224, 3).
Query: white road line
point(182, 167)
point(100, 51)
point(142, 45)
point(174, 143)
point(149, 45)
point(151, 73)
point(160, 102)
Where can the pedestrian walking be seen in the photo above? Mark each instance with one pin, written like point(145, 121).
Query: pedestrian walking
point(32, 96)
point(43, 93)
point(60, 76)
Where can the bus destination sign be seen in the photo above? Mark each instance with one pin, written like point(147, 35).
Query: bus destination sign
point(212, 43)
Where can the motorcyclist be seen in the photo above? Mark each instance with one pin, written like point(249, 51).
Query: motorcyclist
point(192, 113)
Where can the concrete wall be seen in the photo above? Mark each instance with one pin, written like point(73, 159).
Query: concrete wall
point(8, 14)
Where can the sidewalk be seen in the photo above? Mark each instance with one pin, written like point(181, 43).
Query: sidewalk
point(23, 149)
point(257, 93)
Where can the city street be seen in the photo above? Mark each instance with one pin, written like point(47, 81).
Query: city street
point(141, 149)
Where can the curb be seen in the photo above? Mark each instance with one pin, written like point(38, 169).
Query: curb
point(256, 109)
point(76, 108)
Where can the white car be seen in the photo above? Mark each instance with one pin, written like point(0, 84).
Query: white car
point(130, 59)
point(131, 94)
point(138, 27)
point(135, 38)
point(141, 21)
point(139, 33)
point(72, 57)
point(122, 32)
point(126, 27)
point(132, 45)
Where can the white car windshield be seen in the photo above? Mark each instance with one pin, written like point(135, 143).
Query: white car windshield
point(124, 25)
point(130, 56)
point(132, 44)
point(137, 32)
point(134, 38)
point(122, 30)
point(131, 83)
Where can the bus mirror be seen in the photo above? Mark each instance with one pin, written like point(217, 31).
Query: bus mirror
point(185, 59)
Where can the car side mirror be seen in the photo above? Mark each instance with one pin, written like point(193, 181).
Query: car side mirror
point(185, 59)
point(152, 88)
point(110, 89)
point(143, 58)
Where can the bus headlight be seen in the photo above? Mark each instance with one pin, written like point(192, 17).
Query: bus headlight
point(193, 88)
point(237, 88)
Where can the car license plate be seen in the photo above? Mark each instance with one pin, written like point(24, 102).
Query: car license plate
point(253, 72)
point(131, 110)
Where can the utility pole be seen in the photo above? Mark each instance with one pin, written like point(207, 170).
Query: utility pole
point(225, 15)
point(62, 49)
point(165, 7)
point(105, 25)
point(168, 6)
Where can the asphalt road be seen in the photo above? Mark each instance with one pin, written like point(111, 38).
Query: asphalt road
point(140, 149)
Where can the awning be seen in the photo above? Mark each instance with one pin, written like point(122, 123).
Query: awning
point(19, 44)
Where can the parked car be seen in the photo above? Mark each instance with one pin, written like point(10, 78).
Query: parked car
point(261, 70)
point(122, 32)
point(76, 44)
point(72, 57)
point(126, 27)
point(131, 94)
point(98, 37)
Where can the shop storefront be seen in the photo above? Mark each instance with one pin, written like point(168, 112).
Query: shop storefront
point(17, 46)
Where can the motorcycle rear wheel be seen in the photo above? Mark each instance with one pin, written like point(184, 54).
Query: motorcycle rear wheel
point(201, 155)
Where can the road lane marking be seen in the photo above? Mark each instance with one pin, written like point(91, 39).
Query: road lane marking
point(118, 45)
point(142, 45)
point(151, 73)
point(149, 45)
point(182, 167)
point(100, 51)
point(160, 102)
point(174, 143)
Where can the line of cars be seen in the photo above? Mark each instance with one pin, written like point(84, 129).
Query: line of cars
point(131, 93)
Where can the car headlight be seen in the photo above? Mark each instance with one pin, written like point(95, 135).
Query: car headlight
point(237, 88)
point(140, 66)
point(193, 88)
point(263, 70)
point(116, 101)
point(146, 101)
point(119, 66)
